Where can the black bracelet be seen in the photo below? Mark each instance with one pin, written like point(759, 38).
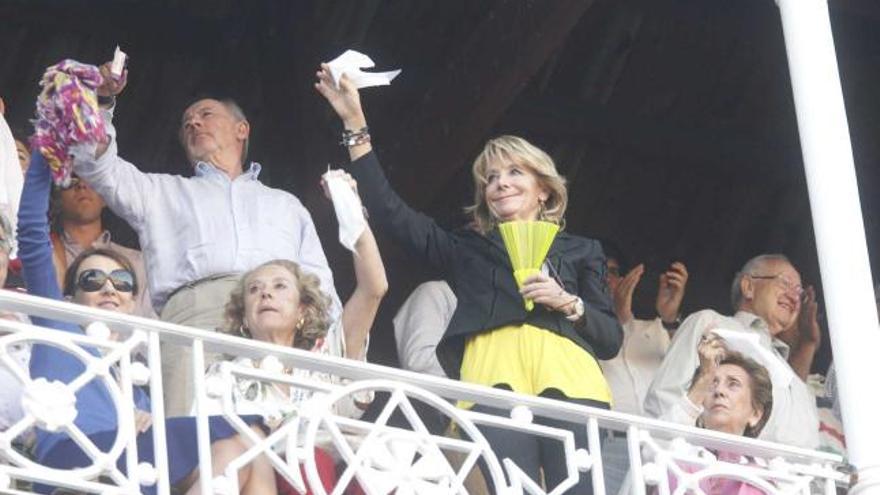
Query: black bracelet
point(671, 326)
point(107, 101)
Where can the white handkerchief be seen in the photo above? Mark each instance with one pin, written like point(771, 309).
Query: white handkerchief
point(349, 211)
point(11, 180)
point(749, 345)
point(351, 63)
point(118, 64)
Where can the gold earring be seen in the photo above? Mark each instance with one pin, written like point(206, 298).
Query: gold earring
point(243, 331)
point(301, 322)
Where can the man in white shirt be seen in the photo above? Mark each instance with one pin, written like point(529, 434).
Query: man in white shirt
point(198, 234)
point(630, 373)
point(767, 295)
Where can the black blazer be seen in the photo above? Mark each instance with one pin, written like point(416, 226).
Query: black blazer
point(478, 270)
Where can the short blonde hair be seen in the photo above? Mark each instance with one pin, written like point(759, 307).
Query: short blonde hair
point(315, 304)
point(523, 153)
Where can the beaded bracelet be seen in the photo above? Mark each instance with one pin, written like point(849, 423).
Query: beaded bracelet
point(355, 138)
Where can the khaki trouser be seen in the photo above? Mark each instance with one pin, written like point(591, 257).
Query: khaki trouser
point(201, 305)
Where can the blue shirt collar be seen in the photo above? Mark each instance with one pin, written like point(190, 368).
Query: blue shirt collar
point(206, 169)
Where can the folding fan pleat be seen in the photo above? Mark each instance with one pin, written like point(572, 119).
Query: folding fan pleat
point(527, 244)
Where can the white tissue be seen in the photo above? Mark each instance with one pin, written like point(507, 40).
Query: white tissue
point(749, 345)
point(351, 63)
point(349, 211)
point(118, 64)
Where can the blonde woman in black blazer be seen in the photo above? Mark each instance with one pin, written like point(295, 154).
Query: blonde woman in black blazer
point(492, 340)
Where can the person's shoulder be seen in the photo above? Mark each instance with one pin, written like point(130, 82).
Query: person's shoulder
point(133, 255)
point(586, 246)
point(576, 239)
point(278, 194)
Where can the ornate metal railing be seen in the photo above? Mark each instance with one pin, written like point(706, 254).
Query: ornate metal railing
point(380, 457)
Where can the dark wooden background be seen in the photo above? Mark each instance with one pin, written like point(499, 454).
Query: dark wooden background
point(672, 119)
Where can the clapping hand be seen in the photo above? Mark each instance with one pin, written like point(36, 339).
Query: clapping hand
point(671, 292)
point(623, 294)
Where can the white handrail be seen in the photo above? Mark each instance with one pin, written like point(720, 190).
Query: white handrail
point(317, 421)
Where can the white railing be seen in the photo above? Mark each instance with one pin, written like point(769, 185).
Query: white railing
point(664, 458)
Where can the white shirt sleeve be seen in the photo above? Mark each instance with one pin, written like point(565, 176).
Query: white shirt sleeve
point(419, 325)
point(673, 379)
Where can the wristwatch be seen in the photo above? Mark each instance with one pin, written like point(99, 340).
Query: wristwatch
point(578, 310)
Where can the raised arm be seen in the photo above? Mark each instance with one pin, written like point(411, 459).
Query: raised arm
point(346, 101)
point(35, 248)
point(416, 231)
point(119, 183)
point(670, 395)
point(360, 310)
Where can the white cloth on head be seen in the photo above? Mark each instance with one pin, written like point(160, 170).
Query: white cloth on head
point(630, 373)
point(11, 181)
point(793, 419)
point(351, 62)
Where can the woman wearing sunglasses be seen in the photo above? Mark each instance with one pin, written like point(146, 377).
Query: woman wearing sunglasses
point(104, 279)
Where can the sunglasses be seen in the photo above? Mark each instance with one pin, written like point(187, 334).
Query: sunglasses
point(93, 279)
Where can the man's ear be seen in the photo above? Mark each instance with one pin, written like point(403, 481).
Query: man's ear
point(242, 130)
point(747, 287)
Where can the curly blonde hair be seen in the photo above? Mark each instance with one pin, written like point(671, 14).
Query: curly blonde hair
point(314, 302)
point(523, 153)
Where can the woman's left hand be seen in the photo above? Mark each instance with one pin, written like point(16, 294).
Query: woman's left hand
point(345, 99)
point(341, 174)
point(546, 291)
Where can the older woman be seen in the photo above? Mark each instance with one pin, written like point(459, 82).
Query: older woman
point(278, 302)
point(492, 340)
point(738, 401)
point(740, 398)
point(104, 279)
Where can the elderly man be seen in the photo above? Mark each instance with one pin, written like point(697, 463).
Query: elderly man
point(198, 234)
point(767, 295)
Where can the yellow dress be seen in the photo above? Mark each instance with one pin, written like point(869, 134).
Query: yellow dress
point(531, 360)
